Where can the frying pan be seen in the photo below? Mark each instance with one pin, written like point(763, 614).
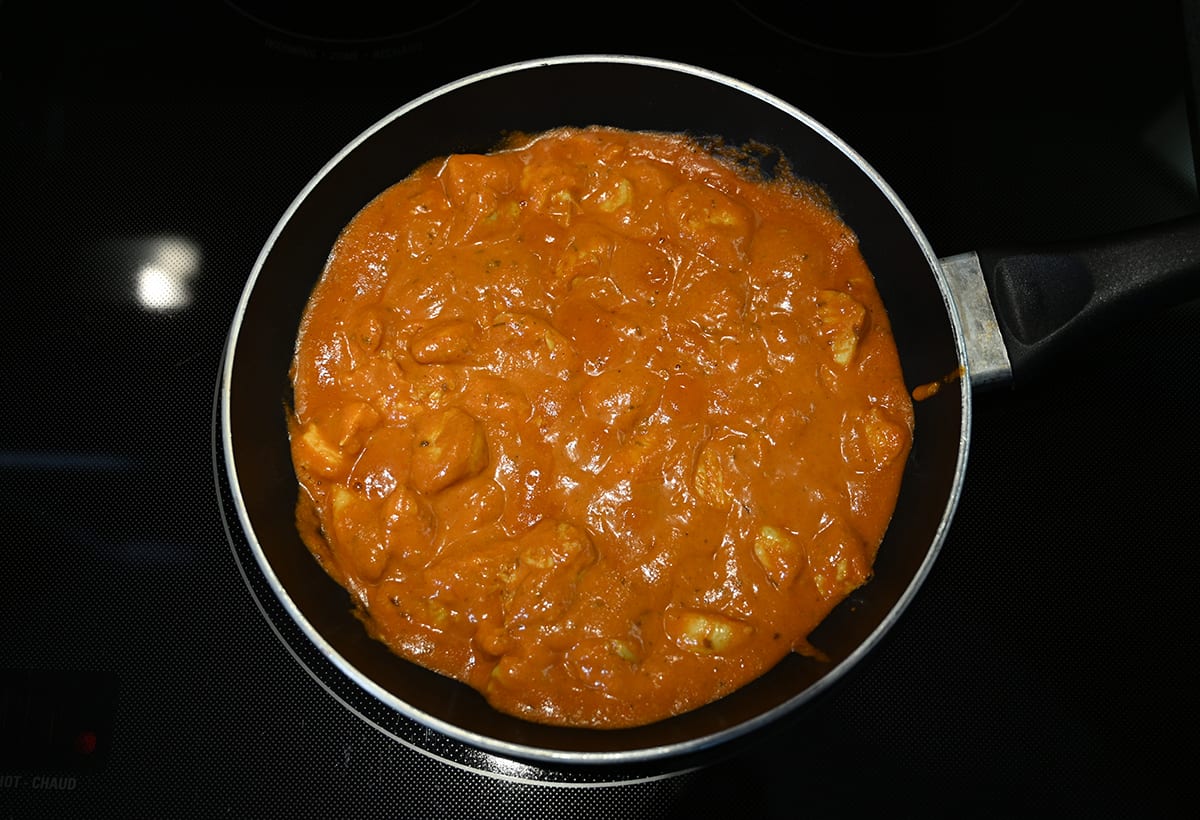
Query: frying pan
point(969, 322)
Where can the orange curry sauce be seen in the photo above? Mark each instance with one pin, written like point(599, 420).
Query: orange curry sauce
point(600, 424)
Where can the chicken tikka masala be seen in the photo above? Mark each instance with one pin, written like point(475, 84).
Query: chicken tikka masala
point(602, 423)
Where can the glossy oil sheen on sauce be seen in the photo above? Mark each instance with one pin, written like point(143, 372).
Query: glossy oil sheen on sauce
point(601, 423)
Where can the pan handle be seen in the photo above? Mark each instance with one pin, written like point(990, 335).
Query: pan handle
point(1049, 300)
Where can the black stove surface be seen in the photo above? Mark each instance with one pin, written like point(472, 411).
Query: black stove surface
point(1045, 666)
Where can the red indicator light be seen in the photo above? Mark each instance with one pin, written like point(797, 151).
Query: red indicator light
point(85, 742)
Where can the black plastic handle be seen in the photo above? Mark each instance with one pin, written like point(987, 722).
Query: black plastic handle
point(1050, 300)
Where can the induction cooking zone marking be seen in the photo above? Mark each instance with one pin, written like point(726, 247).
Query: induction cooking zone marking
point(348, 21)
point(882, 28)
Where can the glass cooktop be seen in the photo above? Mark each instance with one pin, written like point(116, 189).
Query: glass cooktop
point(1043, 666)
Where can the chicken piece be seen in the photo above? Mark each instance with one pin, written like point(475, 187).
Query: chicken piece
point(779, 555)
point(841, 321)
point(706, 633)
point(448, 445)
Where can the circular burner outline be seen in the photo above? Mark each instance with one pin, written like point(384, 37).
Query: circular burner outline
point(281, 29)
point(942, 45)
